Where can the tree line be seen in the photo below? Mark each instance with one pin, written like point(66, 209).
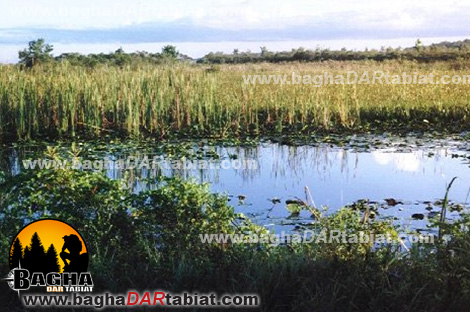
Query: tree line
point(38, 51)
point(444, 51)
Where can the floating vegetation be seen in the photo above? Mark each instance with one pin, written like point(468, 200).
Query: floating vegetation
point(295, 201)
point(393, 202)
point(417, 216)
point(294, 208)
point(275, 200)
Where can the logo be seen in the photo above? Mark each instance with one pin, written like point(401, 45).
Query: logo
point(51, 255)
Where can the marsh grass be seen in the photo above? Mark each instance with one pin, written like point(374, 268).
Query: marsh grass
point(66, 101)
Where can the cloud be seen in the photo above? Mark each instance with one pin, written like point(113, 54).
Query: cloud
point(228, 14)
point(352, 26)
point(91, 21)
point(403, 161)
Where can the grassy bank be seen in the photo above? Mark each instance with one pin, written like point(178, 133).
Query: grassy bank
point(119, 228)
point(166, 101)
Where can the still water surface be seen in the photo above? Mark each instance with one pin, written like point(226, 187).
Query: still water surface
point(336, 176)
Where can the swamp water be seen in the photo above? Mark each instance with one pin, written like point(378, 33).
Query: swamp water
point(403, 180)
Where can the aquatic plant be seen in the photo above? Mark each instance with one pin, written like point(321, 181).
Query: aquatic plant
point(163, 101)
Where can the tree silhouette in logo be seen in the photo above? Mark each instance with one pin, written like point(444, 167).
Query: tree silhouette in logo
point(16, 255)
point(37, 254)
point(52, 259)
point(34, 258)
point(74, 261)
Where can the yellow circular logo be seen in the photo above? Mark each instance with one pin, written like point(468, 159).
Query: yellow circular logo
point(49, 246)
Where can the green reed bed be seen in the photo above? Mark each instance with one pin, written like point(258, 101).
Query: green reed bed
point(64, 100)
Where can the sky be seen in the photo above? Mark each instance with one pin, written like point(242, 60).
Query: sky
point(113, 23)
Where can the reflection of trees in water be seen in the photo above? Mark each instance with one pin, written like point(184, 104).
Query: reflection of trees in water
point(292, 160)
point(214, 175)
point(247, 153)
point(138, 178)
point(295, 161)
point(10, 160)
point(280, 161)
point(147, 178)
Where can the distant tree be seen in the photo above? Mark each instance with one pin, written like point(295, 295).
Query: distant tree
point(52, 260)
point(264, 51)
point(16, 253)
point(37, 52)
point(418, 45)
point(170, 51)
point(120, 58)
point(236, 58)
point(464, 47)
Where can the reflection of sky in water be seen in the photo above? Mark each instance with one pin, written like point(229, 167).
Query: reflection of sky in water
point(338, 177)
point(335, 177)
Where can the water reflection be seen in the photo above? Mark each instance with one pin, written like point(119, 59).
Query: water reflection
point(336, 176)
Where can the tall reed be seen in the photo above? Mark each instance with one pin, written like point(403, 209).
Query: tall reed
point(64, 100)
